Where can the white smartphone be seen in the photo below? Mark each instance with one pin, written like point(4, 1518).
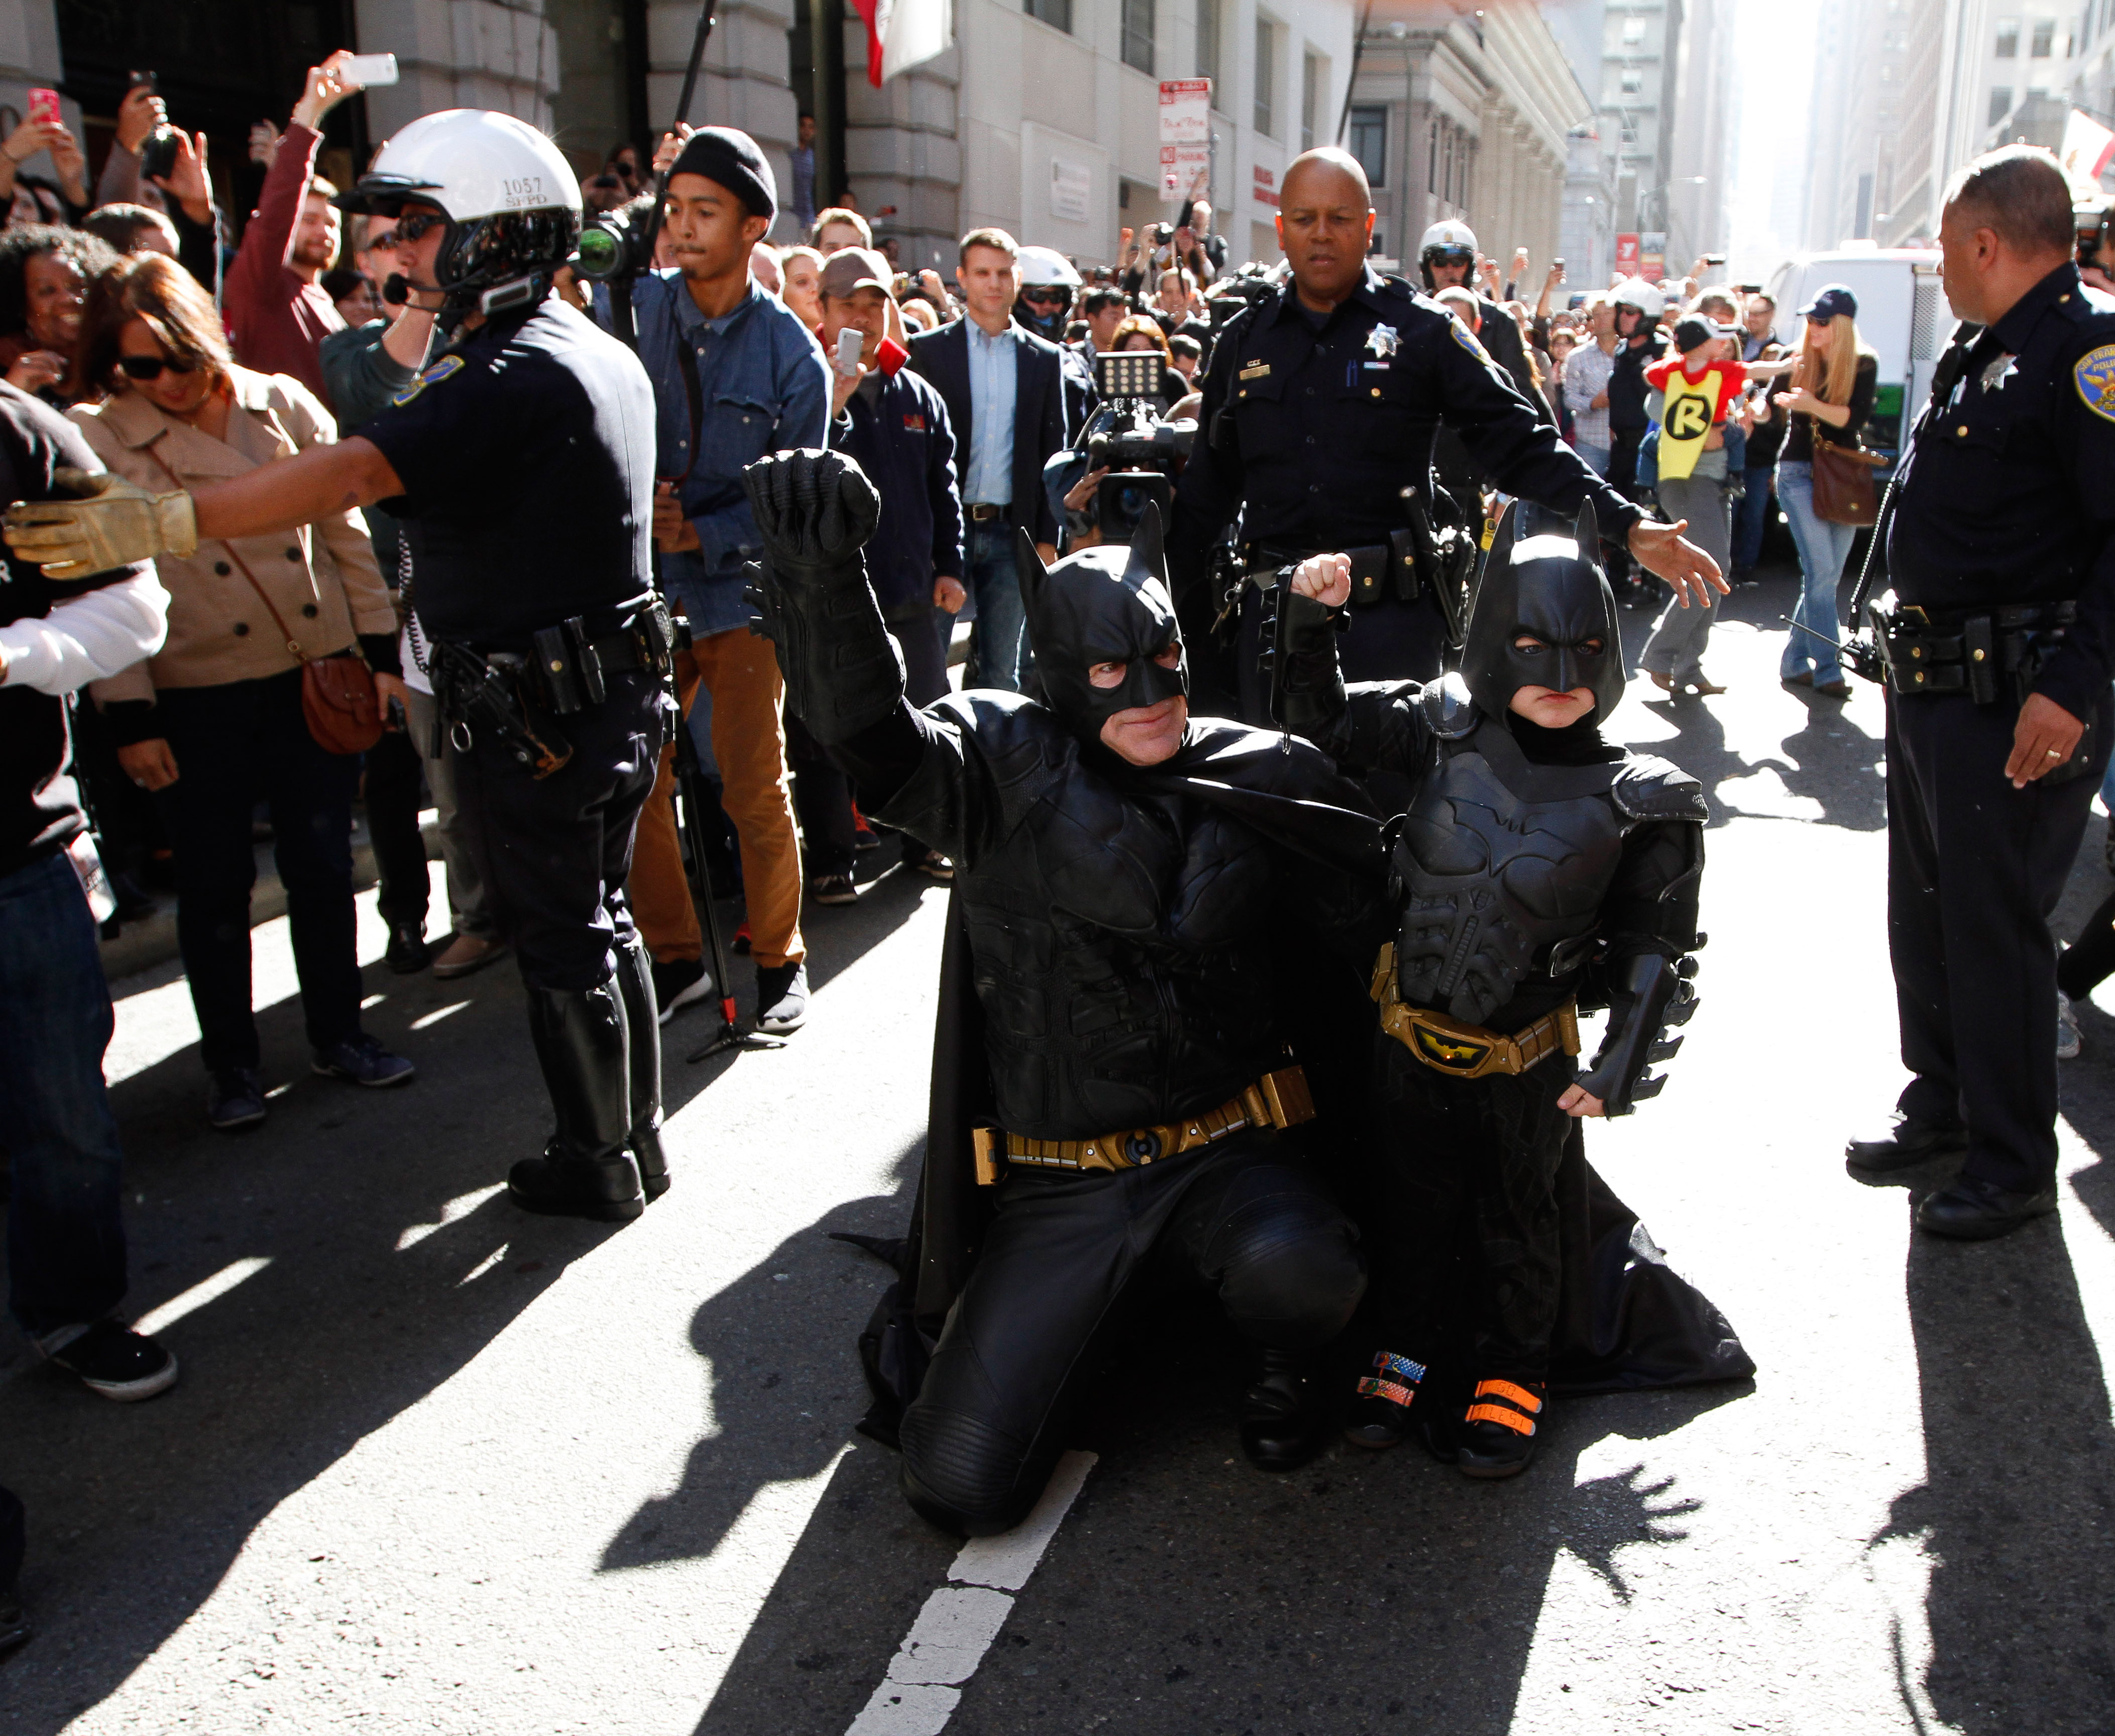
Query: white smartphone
point(850, 341)
point(367, 71)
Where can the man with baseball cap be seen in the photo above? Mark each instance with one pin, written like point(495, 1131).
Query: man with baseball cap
point(735, 375)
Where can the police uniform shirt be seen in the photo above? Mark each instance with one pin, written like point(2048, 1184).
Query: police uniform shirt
point(1332, 418)
point(2006, 494)
point(526, 454)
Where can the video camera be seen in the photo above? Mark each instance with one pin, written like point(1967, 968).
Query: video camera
point(1127, 436)
point(2096, 247)
point(1253, 283)
point(617, 243)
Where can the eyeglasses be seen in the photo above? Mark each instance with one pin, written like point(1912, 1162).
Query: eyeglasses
point(149, 367)
point(388, 238)
point(1045, 297)
point(413, 225)
point(1453, 256)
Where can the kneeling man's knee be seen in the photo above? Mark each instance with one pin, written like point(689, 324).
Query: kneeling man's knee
point(962, 1474)
point(1292, 1273)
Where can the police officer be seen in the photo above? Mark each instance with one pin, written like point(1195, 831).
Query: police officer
point(1320, 407)
point(1447, 260)
point(521, 461)
point(1999, 644)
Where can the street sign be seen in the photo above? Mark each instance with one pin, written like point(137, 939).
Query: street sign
point(1185, 136)
point(1626, 255)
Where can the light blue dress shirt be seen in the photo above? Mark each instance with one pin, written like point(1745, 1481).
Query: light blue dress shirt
point(994, 366)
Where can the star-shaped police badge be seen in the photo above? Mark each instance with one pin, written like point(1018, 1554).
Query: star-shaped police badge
point(1382, 341)
point(2001, 368)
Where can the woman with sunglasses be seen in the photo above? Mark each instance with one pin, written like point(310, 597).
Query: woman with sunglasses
point(213, 723)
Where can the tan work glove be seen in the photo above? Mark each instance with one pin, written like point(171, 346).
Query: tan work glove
point(113, 524)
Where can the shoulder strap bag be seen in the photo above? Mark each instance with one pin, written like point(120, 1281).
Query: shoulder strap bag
point(339, 699)
point(1843, 488)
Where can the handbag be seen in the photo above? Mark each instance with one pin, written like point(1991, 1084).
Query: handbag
point(338, 700)
point(1843, 488)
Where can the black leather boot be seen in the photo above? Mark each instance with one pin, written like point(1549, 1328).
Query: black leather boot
point(1381, 1414)
point(1496, 1434)
point(1285, 1415)
point(634, 979)
point(1904, 1143)
point(585, 1171)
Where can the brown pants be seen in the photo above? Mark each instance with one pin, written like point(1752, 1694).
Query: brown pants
point(749, 740)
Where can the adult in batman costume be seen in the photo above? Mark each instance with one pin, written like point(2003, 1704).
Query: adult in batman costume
point(1537, 868)
point(1119, 1041)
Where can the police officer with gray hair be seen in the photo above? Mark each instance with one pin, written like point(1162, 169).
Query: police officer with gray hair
point(1998, 642)
point(520, 461)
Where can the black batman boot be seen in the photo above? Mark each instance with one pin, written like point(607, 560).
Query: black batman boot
point(634, 978)
point(1498, 1431)
point(1285, 1413)
point(1381, 1414)
point(585, 1171)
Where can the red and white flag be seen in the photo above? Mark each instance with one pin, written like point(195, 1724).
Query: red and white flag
point(2087, 147)
point(903, 33)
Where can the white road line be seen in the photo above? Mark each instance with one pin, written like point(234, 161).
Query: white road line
point(156, 1320)
point(959, 1622)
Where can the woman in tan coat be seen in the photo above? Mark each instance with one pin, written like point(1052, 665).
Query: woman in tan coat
point(213, 723)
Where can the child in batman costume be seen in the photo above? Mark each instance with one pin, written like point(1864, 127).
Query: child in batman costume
point(1537, 868)
point(1107, 1012)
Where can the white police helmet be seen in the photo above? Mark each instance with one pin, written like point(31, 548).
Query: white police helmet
point(1648, 298)
point(512, 202)
point(1447, 235)
point(1047, 265)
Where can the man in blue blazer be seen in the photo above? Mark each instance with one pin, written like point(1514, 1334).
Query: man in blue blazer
point(1005, 398)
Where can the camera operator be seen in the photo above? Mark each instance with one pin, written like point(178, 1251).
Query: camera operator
point(896, 426)
point(1197, 247)
point(1319, 405)
point(520, 461)
point(66, 1236)
point(735, 375)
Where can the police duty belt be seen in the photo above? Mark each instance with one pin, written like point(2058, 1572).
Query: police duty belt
point(1378, 570)
point(1463, 1051)
point(1985, 654)
point(1278, 1099)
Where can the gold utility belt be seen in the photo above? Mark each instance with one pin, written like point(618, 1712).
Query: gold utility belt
point(1278, 1099)
point(1468, 1051)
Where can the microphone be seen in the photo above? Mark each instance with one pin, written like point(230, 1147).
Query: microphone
point(396, 289)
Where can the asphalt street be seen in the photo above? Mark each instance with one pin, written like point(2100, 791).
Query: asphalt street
point(435, 1466)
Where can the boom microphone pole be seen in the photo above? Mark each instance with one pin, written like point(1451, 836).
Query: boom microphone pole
point(622, 319)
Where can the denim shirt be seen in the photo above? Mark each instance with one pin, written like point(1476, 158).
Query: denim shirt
point(763, 387)
point(994, 387)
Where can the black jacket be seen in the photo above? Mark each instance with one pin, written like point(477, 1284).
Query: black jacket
point(901, 438)
point(1038, 413)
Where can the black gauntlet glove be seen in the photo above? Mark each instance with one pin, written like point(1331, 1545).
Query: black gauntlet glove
point(1647, 994)
point(815, 511)
point(1308, 685)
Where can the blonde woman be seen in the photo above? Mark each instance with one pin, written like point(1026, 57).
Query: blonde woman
point(213, 722)
point(1833, 379)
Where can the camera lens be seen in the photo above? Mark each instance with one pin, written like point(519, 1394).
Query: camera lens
point(601, 252)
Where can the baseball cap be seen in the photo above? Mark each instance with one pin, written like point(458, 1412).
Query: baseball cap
point(1693, 331)
point(1833, 299)
point(853, 268)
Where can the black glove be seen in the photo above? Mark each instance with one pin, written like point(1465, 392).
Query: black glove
point(1648, 994)
point(1307, 686)
point(815, 511)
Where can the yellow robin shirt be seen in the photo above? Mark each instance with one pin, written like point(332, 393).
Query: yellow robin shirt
point(1694, 405)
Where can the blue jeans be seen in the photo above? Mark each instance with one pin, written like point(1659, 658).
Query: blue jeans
point(1000, 649)
point(1824, 547)
point(65, 1241)
point(1751, 517)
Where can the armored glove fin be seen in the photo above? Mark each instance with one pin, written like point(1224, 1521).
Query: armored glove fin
point(814, 512)
point(1649, 994)
point(112, 523)
point(1309, 683)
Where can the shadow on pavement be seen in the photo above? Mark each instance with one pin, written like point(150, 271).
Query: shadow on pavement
point(1188, 1590)
point(393, 1261)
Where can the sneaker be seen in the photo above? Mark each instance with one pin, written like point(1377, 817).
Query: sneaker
point(678, 983)
point(468, 953)
point(832, 888)
point(363, 1061)
point(741, 940)
point(113, 1360)
point(408, 952)
point(234, 1099)
point(935, 867)
point(782, 996)
point(2068, 1042)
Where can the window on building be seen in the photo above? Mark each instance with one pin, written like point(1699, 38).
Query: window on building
point(1137, 35)
point(1368, 139)
point(2008, 38)
point(1057, 12)
point(1634, 81)
point(2044, 37)
point(1208, 47)
point(1431, 160)
point(1634, 32)
point(1310, 81)
point(2000, 104)
point(1266, 77)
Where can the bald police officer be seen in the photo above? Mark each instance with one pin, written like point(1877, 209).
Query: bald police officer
point(1320, 406)
point(522, 462)
point(1999, 643)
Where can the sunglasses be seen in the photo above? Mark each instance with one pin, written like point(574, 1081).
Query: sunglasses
point(413, 225)
point(1454, 256)
point(149, 367)
point(1044, 298)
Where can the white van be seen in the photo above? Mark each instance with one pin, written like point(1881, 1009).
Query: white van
point(1902, 314)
